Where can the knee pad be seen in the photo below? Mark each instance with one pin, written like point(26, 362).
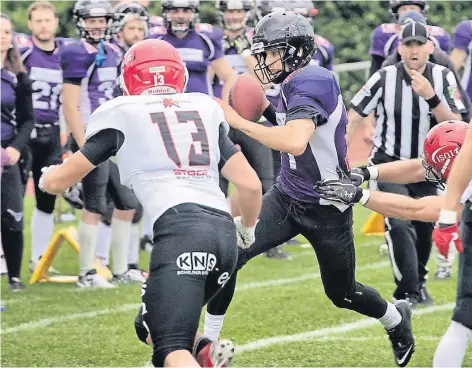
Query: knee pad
point(45, 202)
point(138, 214)
point(96, 205)
point(463, 312)
point(126, 199)
point(106, 217)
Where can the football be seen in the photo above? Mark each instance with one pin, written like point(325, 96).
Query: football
point(247, 97)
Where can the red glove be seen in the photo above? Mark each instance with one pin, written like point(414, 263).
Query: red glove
point(444, 234)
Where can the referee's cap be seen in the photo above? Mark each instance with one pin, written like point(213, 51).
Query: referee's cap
point(411, 16)
point(414, 31)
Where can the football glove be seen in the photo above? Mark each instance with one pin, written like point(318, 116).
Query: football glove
point(359, 175)
point(342, 189)
point(245, 235)
point(445, 232)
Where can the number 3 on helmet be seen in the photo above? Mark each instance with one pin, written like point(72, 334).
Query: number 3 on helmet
point(152, 67)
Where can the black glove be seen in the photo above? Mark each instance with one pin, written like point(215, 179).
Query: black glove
point(359, 175)
point(342, 190)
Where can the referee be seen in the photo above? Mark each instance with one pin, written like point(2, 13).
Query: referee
point(409, 98)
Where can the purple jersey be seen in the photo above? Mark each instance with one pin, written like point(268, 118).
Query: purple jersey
point(463, 41)
point(384, 39)
point(98, 82)
point(306, 93)
point(323, 57)
point(44, 69)
point(9, 84)
point(197, 49)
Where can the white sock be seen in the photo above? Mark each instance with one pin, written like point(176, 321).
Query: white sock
point(120, 233)
point(453, 345)
point(103, 243)
point(392, 317)
point(42, 226)
point(213, 326)
point(147, 225)
point(87, 238)
point(133, 247)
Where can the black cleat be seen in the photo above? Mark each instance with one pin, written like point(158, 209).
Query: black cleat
point(16, 284)
point(401, 337)
point(425, 298)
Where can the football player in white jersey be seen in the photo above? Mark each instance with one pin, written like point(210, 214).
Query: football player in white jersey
point(170, 148)
point(447, 152)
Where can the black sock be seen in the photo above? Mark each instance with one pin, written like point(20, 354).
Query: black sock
point(132, 266)
point(12, 242)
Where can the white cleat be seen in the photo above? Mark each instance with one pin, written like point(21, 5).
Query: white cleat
point(94, 280)
point(33, 264)
point(131, 275)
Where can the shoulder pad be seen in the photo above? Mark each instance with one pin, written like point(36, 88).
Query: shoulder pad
point(436, 31)
point(321, 41)
point(62, 41)
point(158, 30)
point(204, 27)
point(22, 41)
point(389, 27)
point(113, 47)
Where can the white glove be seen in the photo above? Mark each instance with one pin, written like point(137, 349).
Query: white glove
point(246, 235)
point(44, 172)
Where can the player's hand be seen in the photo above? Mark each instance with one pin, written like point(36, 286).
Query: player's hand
point(358, 175)
point(369, 133)
point(231, 116)
point(13, 154)
point(44, 172)
point(245, 235)
point(444, 233)
point(421, 85)
point(341, 190)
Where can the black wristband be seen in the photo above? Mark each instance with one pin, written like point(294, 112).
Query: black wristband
point(269, 114)
point(433, 102)
point(365, 173)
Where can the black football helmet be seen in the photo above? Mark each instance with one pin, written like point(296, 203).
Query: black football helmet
point(181, 27)
point(289, 33)
point(395, 4)
point(84, 9)
point(123, 11)
point(224, 5)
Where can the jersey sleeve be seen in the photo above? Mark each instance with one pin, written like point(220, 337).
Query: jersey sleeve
point(303, 101)
point(102, 145)
point(365, 101)
point(378, 40)
point(463, 36)
point(452, 94)
point(215, 35)
point(74, 61)
point(327, 50)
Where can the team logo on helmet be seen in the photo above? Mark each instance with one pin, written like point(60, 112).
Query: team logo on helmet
point(444, 153)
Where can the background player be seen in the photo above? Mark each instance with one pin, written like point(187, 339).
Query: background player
point(191, 227)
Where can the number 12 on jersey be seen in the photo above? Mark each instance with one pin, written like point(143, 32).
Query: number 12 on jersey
point(200, 157)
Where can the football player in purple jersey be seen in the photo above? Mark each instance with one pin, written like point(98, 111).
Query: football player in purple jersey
point(41, 57)
point(199, 44)
point(384, 39)
point(90, 70)
point(310, 133)
point(461, 54)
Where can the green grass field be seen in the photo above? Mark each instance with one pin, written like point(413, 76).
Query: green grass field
point(59, 325)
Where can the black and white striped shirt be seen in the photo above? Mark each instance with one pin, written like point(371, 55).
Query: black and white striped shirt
point(402, 117)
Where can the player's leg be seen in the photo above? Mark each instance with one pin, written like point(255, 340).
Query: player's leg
point(400, 236)
point(126, 203)
point(275, 227)
point(133, 247)
point(94, 190)
point(12, 223)
point(330, 232)
point(102, 249)
point(46, 150)
point(453, 345)
point(193, 260)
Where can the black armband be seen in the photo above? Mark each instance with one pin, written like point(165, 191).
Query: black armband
point(102, 145)
point(433, 102)
point(270, 114)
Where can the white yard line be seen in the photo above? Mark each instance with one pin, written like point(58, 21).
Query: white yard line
point(247, 286)
point(326, 332)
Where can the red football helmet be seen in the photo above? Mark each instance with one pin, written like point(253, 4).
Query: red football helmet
point(152, 67)
point(441, 147)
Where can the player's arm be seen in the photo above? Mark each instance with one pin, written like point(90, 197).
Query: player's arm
point(363, 103)
point(71, 99)
point(225, 73)
point(98, 148)
point(399, 172)
point(291, 138)
point(460, 176)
